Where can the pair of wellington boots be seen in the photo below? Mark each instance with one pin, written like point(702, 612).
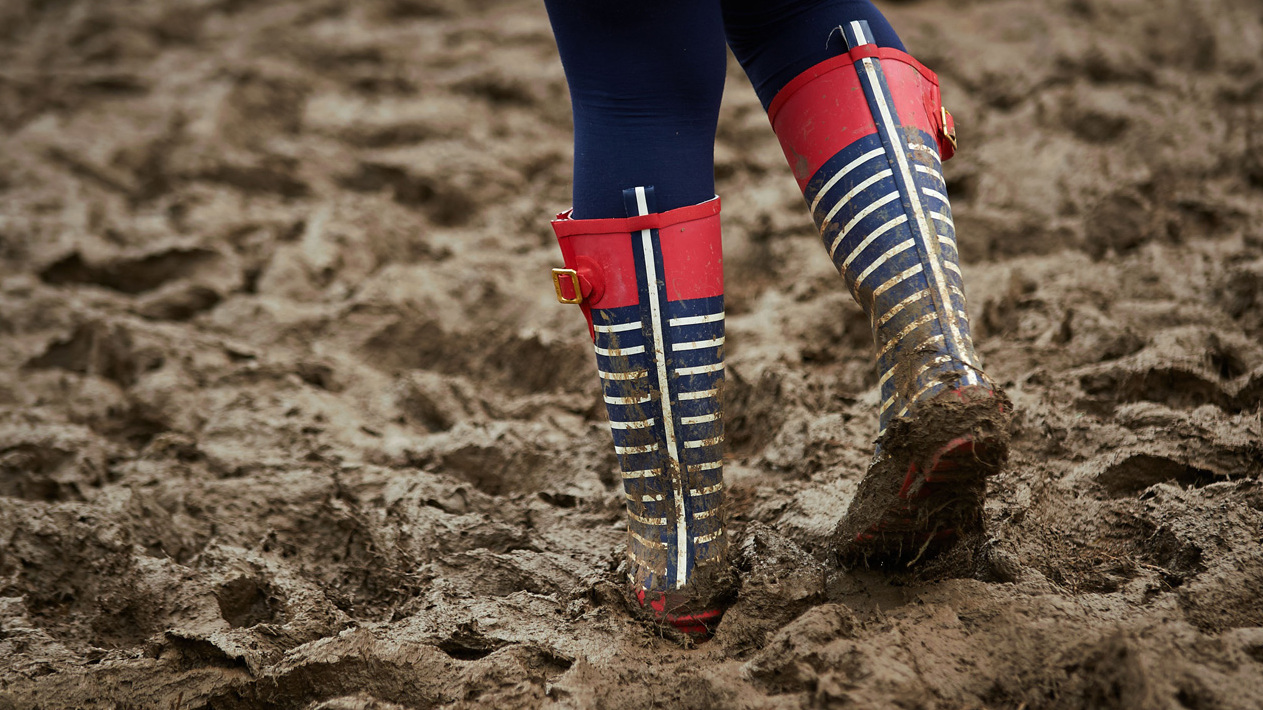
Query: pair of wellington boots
point(864, 134)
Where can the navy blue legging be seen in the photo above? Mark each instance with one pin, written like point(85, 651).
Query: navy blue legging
point(646, 79)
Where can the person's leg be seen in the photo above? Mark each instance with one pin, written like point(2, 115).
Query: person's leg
point(643, 260)
point(862, 126)
point(645, 79)
point(777, 40)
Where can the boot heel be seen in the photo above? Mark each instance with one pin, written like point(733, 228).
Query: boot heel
point(667, 608)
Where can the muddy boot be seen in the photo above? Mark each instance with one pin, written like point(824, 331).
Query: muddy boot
point(864, 133)
point(651, 287)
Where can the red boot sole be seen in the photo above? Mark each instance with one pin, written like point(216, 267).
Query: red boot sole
point(698, 626)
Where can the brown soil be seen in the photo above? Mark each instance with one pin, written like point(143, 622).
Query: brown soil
point(289, 417)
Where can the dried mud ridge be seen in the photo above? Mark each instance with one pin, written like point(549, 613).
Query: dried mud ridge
point(289, 418)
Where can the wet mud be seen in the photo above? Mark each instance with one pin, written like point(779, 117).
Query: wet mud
point(290, 418)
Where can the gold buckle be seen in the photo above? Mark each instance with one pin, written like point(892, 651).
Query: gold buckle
point(574, 281)
point(951, 135)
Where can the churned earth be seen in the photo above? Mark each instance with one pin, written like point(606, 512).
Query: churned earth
point(289, 417)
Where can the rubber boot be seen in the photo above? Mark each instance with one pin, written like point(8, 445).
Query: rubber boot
point(651, 287)
point(865, 133)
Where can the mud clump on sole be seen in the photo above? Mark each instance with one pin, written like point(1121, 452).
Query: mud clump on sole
point(684, 612)
point(926, 488)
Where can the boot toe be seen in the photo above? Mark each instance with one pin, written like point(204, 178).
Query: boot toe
point(927, 488)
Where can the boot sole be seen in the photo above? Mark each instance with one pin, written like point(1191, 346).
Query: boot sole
point(938, 497)
point(699, 626)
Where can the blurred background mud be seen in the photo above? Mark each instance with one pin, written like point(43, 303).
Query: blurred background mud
point(289, 417)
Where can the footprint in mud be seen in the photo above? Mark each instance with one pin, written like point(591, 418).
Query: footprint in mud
point(1183, 368)
point(106, 571)
point(357, 571)
point(174, 284)
point(779, 581)
point(269, 175)
point(437, 402)
point(513, 362)
point(1240, 293)
point(1133, 472)
point(1122, 670)
point(257, 107)
point(1155, 444)
point(793, 659)
point(441, 201)
point(1179, 557)
point(1226, 597)
point(497, 459)
point(109, 350)
point(438, 515)
point(1122, 223)
point(51, 463)
point(1174, 386)
point(246, 601)
point(467, 644)
point(179, 304)
point(132, 274)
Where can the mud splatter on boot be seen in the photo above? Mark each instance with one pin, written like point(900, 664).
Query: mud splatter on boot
point(651, 286)
point(864, 132)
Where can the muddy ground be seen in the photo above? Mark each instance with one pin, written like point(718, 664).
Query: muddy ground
point(289, 417)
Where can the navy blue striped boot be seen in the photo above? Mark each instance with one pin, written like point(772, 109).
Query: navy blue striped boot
point(864, 133)
point(651, 287)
